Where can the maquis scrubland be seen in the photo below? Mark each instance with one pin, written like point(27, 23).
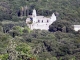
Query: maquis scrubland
point(19, 42)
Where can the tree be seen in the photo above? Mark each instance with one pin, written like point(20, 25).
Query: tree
point(1, 29)
point(62, 25)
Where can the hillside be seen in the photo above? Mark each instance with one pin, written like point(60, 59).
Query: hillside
point(65, 9)
point(18, 42)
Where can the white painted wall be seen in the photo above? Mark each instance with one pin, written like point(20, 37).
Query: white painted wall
point(76, 27)
point(40, 26)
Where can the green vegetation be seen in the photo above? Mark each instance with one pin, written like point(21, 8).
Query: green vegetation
point(18, 42)
point(64, 9)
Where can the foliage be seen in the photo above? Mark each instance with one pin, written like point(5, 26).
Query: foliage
point(18, 29)
point(1, 28)
point(4, 56)
point(24, 51)
point(65, 10)
point(63, 26)
point(61, 42)
point(39, 44)
point(23, 48)
point(26, 30)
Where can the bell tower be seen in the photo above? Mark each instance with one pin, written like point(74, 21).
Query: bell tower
point(53, 18)
point(34, 16)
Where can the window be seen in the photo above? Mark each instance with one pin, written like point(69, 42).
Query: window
point(47, 21)
point(39, 21)
point(42, 21)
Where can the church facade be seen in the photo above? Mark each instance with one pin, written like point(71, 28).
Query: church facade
point(40, 22)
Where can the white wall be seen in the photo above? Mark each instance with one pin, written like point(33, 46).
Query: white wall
point(42, 26)
point(76, 27)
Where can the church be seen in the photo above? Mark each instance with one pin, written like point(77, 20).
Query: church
point(40, 22)
point(76, 27)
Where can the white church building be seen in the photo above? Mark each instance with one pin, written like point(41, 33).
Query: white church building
point(40, 22)
point(76, 27)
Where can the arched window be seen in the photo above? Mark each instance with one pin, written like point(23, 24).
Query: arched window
point(38, 21)
point(47, 21)
point(42, 21)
